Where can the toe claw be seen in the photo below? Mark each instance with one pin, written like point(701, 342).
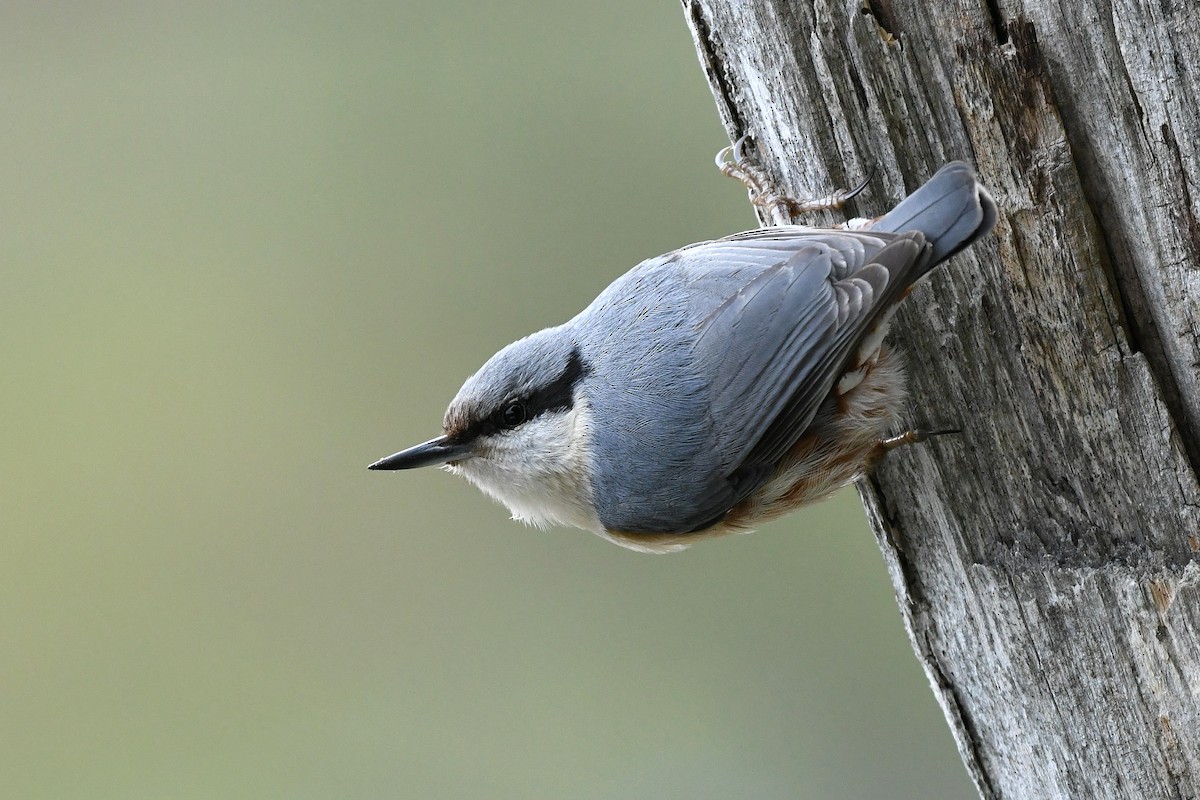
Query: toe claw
point(914, 436)
point(739, 149)
point(857, 190)
point(722, 159)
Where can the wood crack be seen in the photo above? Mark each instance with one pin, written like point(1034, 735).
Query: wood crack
point(999, 23)
point(885, 18)
point(714, 68)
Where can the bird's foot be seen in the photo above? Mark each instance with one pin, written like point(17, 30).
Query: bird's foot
point(735, 163)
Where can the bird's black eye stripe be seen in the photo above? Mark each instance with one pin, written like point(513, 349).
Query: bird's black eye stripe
point(558, 395)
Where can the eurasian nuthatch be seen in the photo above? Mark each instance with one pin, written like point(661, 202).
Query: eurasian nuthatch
point(714, 387)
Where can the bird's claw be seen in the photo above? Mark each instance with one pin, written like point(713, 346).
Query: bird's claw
point(763, 193)
point(914, 436)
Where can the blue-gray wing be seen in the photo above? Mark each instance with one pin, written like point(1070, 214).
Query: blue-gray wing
point(777, 345)
point(710, 363)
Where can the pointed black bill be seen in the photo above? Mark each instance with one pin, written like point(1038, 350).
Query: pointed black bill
point(427, 454)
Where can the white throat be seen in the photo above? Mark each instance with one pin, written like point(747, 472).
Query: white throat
point(539, 470)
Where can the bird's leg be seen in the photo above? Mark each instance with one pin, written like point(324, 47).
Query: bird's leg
point(913, 437)
point(763, 193)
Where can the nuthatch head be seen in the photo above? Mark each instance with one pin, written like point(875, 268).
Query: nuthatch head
point(711, 388)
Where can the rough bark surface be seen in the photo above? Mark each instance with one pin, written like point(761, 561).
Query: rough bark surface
point(1046, 561)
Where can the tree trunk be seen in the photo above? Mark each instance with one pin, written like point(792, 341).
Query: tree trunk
point(1047, 560)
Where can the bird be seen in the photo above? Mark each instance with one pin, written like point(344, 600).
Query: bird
point(717, 386)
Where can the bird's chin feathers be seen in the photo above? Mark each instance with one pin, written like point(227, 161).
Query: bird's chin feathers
point(539, 470)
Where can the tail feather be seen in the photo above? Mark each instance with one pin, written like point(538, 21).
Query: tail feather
point(952, 209)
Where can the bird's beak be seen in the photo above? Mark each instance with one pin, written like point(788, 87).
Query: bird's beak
point(427, 454)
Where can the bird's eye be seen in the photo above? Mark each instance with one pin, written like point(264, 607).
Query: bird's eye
point(513, 414)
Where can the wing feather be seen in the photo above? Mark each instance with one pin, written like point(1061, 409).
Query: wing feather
point(777, 348)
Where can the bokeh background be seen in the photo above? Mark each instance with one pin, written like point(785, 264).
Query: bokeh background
point(249, 248)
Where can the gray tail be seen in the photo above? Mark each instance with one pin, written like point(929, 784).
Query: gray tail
point(952, 209)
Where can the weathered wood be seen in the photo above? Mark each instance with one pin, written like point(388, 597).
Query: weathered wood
point(1046, 561)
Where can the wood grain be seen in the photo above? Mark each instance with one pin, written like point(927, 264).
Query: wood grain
point(1046, 561)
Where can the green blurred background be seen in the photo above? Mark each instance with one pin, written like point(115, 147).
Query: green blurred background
point(247, 250)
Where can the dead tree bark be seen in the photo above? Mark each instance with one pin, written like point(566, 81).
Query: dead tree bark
point(1046, 561)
